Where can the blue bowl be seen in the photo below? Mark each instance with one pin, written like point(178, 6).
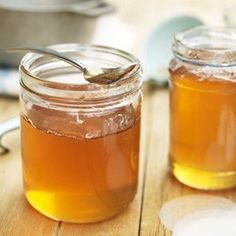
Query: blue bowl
point(157, 51)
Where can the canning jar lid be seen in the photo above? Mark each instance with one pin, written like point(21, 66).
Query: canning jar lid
point(48, 77)
point(211, 46)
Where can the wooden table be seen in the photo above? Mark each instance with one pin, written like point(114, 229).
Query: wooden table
point(156, 185)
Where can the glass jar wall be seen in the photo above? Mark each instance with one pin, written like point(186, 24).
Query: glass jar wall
point(80, 141)
point(203, 108)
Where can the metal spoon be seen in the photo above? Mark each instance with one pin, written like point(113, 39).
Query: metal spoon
point(102, 76)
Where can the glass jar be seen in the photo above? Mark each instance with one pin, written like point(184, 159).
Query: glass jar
point(80, 141)
point(203, 108)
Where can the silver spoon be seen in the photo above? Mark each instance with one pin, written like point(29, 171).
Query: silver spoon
point(102, 76)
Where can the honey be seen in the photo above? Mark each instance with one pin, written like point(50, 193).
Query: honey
point(80, 140)
point(203, 111)
point(203, 129)
point(76, 179)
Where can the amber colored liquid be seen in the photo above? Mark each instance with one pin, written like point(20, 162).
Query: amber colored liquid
point(79, 180)
point(203, 130)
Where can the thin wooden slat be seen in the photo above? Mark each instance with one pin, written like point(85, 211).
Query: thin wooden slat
point(156, 165)
point(127, 223)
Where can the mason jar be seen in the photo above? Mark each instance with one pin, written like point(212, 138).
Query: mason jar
point(203, 108)
point(80, 140)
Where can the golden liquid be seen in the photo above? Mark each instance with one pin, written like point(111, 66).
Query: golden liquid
point(203, 130)
point(79, 180)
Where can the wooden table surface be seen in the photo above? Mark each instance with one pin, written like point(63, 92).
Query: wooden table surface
point(156, 185)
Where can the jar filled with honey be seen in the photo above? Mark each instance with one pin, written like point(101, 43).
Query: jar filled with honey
point(203, 108)
point(80, 140)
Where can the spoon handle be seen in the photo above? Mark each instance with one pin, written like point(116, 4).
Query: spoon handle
point(49, 52)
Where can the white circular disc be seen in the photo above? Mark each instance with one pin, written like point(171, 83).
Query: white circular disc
point(207, 223)
point(176, 209)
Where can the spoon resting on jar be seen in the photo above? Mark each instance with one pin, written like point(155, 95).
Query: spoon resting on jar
point(101, 76)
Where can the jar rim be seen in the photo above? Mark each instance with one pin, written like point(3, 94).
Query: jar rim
point(33, 63)
point(209, 46)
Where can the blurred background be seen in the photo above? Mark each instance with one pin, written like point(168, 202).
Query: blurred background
point(144, 28)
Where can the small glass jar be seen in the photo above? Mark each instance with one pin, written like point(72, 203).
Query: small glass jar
point(203, 108)
point(80, 141)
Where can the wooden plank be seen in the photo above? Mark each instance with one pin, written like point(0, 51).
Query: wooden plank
point(127, 223)
point(17, 217)
point(160, 186)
